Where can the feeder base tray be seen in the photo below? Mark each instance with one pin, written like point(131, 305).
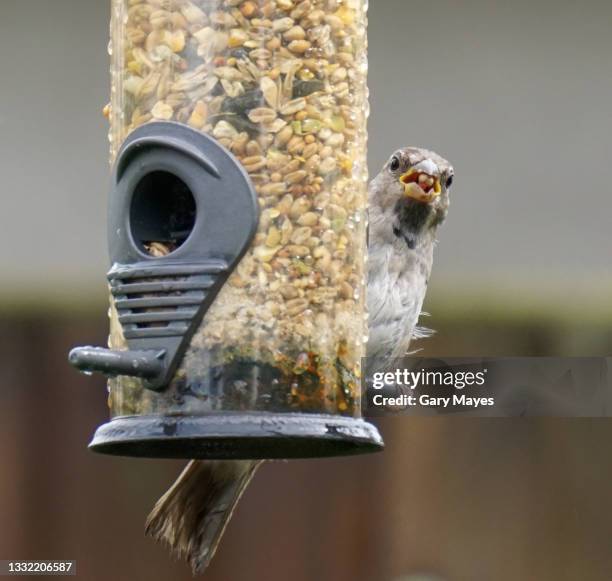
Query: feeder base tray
point(236, 436)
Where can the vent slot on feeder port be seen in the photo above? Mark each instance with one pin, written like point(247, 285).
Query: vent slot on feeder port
point(165, 303)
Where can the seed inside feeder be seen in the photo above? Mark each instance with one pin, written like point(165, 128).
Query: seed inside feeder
point(282, 85)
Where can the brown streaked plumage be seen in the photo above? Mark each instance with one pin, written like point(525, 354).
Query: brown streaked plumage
point(191, 517)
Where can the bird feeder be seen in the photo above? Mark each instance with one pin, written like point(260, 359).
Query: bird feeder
point(236, 230)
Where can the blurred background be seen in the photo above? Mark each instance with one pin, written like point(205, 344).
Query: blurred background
point(517, 96)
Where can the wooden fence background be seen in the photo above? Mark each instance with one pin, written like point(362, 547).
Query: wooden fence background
point(464, 499)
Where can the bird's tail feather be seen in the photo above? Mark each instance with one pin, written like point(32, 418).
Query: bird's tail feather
point(192, 515)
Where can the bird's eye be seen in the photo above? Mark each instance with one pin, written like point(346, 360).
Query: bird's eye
point(449, 181)
point(394, 164)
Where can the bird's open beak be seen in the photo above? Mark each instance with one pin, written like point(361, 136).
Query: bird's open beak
point(420, 185)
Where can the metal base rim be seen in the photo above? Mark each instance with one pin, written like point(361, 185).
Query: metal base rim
point(237, 436)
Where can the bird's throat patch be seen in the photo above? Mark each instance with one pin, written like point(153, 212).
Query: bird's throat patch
point(411, 218)
point(410, 240)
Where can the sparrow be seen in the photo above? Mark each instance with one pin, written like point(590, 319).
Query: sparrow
point(407, 202)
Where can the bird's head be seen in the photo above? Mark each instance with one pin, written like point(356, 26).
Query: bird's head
point(412, 190)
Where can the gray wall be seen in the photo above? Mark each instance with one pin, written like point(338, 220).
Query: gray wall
point(516, 94)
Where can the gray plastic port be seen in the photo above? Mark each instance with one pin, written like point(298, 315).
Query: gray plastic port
point(176, 185)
